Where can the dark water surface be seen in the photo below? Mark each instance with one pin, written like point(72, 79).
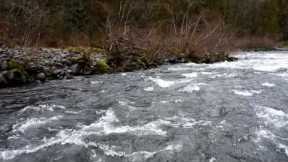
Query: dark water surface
point(225, 112)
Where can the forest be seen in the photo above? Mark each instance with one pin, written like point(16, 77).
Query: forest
point(88, 22)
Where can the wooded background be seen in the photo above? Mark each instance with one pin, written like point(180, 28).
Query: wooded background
point(55, 22)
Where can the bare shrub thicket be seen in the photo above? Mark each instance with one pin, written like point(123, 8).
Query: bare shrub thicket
point(87, 22)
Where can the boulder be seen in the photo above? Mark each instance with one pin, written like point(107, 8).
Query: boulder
point(75, 69)
point(4, 65)
point(41, 76)
point(16, 77)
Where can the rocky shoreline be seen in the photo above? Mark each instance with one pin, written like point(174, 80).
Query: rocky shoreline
point(19, 66)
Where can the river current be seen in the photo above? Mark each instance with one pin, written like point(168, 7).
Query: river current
point(222, 112)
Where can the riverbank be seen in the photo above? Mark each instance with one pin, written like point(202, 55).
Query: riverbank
point(19, 66)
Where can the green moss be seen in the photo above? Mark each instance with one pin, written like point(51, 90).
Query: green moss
point(102, 66)
point(12, 64)
point(18, 71)
point(85, 55)
point(18, 76)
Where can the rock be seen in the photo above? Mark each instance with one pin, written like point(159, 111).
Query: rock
point(41, 76)
point(76, 69)
point(13, 64)
point(4, 65)
point(59, 73)
point(16, 77)
point(102, 66)
point(68, 76)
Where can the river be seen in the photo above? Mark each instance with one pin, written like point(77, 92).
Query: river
point(222, 112)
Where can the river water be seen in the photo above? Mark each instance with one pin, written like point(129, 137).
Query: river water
point(223, 112)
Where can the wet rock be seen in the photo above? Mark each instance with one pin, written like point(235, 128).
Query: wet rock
point(68, 75)
point(76, 69)
point(59, 73)
point(4, 65)
point(41, 76)
point(16, 77)
point(13, 64)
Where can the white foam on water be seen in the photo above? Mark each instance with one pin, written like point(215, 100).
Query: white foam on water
point(34, 123)
point(164, 102)
point(103, 91)
point(144, 155)
point(224, 75)
point(140, 155)
point(265, 62)
point(152, 128)
point(178, 101)
point(179, 68)
point(162, 83)
point(206, 73)
point(272, 116)
point(276, 119)
point(108, 150)
point(190, 75)
point(213, 159)
point(174, 147)
point(104, 126)
point(185, 122)
point(63, 138)
point(284, 147)
point(126, 104)
point(167, 83)
point(149, 89)
point(100, 112)
point(284, 75)
point(190, 88)
point(94, 82)
point(223, 124)
point(267, 84)
point(41, 108)
point(72, 112)
point(262, 134)
point(246, 93)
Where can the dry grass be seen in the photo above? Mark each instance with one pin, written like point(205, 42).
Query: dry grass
point(200, 40)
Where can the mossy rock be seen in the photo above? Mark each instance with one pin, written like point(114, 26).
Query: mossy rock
point(87, 55)
point(18, 72)
point(17, 77)
point(12, 64)
point(102, 66)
